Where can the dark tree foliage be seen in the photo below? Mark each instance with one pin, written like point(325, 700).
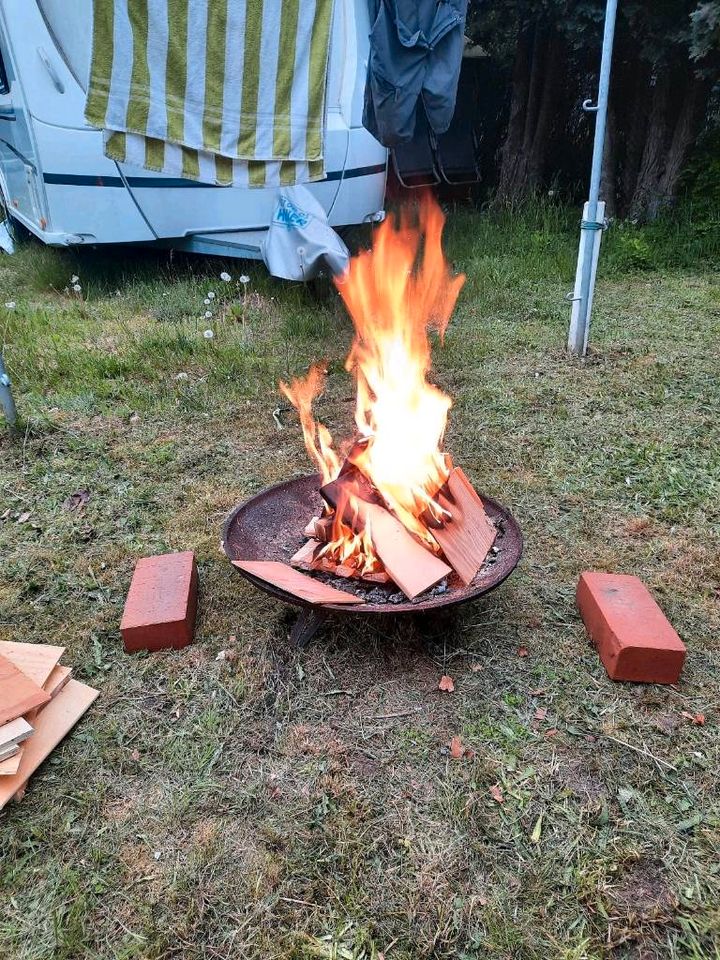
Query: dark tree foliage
point(665, 70)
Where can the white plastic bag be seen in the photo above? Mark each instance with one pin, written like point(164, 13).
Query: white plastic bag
point(300, 242)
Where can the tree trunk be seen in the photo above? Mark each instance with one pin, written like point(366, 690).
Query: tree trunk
point(653, 156)
point(551, 67)
point(633, 122)
point(683, 135)
point(512, 146)
point(533, 108)
point(608, 183)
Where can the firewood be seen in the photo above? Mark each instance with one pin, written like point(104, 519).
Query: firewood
point(319, 528)
point(292, 581)
point(465, 539)
point(303, 559)
point(18, 693)
point(413, 568)
point(350, 482)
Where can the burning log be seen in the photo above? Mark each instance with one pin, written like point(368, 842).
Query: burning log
point(466, 538)
point(304, 558)
point(320, 528)
point(413, 568)
point(309, 558)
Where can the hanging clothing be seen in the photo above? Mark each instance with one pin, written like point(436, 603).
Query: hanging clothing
point(220, 91)
point(416, 49)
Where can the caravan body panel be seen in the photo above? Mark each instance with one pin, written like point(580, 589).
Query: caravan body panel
point(68, 192)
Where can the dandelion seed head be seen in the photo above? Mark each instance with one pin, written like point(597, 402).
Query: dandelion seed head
point(208, 334)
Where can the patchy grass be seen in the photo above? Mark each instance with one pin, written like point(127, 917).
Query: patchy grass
point(278, 804)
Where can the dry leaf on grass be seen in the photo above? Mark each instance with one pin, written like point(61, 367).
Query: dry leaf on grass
point(540, 713)
point(457, 750)
point(447, 684)
point(522, 651)
point(497, 794)
point(697, 718)
point(77, 500)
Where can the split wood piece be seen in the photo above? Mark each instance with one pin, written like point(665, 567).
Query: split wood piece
point(35, 660)
point(283, 576)
point(303, 559)
point(350, 573)
point(466, 539)
point(15, 732)
point(53, 685)
point(9, 767)
point(55, 721)
point(57, 680)
point(320, 528)
point(413, 568)
point(350, 482)
point(9, 751)
point(18, 693)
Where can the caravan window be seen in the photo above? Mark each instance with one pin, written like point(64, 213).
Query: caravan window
point(70, 25)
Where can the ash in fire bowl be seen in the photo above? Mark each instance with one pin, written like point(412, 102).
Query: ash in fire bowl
point(391, 523)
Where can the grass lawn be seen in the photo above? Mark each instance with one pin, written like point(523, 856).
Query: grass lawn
point(283, 804)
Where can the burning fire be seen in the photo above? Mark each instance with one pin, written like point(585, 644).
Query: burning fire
point(396, 293)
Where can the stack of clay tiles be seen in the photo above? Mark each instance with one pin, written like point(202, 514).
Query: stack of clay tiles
point(39, 704)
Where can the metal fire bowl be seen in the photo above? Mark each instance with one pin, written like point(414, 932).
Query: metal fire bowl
point(270, 527)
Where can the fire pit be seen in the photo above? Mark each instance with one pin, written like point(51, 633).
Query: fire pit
point(389, 524)
point(271, 525)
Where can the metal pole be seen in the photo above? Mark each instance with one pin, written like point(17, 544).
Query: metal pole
point(6, 397)
point(580, 322)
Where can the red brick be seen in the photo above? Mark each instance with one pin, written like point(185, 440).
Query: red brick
point(161, 604)
point(633, 637)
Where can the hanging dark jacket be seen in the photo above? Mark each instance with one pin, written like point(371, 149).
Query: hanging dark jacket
point(416, 50)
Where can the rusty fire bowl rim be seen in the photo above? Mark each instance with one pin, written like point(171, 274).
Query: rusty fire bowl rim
point(272, 503)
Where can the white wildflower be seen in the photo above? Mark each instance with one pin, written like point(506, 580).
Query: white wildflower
point(225, 277)
point(11, 305)
point(181, 376)
point(77, 288)
point(208, 334)
point(208, 314)
point(206, 301)
point(74, 279)
point(244, 279)
point(211, 295)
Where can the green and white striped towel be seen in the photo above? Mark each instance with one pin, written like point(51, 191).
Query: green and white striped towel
point(221, 91)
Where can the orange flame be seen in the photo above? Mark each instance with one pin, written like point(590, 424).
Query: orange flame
point(318, 442)
point(395, 293)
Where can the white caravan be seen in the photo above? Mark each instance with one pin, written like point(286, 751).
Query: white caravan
point(57, 182)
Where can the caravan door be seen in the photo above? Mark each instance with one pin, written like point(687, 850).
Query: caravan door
point(22, 192)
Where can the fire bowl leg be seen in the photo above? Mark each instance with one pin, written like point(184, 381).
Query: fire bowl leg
point(306, 626)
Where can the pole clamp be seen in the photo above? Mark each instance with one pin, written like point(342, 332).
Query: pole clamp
point(593, 224)
point(590, 107)
point(4, 380)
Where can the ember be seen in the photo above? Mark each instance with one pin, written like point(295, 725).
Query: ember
point(395, 507)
